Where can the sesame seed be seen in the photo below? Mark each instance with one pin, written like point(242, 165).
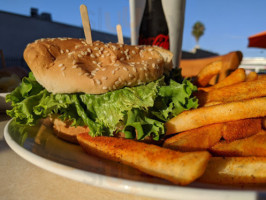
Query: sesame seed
point(98, 82)
point(104, 78)
point(67, 50)
point(96, 48)
point(103, 69)
point(150, 58)
point(80, 73)
point(108, 54)
point(104, 88)
point(99, 65)
point(134, 69)
point(79, 55)
point(145, 68)
point(114, 48)
point(86, 74)
point(61, 51)
point(97, 54)
point(124, 68)
point(60, 65)
point(77, 46)
point(63, 74)
point(89, 50)
point(63, 68)
point(129, 83)
point(94, 62)
point(101, 48)
point(146, 75)
point(82, 53)
point(72, 52)
point(113, 71)
point(133, 52)
point(130, 75)
point(105, 51)
point(121, 45)
point(116, 64)
point(122, 58)
point(97, 69)
point(92, 55)
point(153, 65)
point(114, 87)
point(117, 82)
point(74, 66)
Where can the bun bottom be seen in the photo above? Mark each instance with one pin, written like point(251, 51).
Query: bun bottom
point(66, 132)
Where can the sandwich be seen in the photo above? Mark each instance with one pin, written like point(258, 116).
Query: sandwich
point(101, 89)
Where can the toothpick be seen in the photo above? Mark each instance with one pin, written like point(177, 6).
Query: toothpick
point(119, 34)
point(86, 23)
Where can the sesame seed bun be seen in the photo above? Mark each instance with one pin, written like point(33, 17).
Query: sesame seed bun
point(66, 65)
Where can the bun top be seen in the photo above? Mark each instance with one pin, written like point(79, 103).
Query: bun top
point(66, 65)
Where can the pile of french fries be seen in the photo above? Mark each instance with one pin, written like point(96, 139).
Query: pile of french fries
point(221, 142)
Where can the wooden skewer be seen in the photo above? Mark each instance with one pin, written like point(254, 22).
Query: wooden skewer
point(86, 23)
point(119, 34)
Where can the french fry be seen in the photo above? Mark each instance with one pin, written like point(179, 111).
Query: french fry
point(203, 116)
point(236, 76)
point(235, 130)
point(264, 123)
point(179, 168)
point(235, 170)
point(196, 139)
point(206, 74)
point(251, 146)
point(206, 137)
point(252, 76)
point(237, 92)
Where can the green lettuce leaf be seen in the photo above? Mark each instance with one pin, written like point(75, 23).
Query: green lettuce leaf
point(137, 111)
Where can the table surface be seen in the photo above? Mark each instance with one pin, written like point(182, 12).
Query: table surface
point(22, 180)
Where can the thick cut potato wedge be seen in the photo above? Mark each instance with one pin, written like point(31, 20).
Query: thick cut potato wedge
point(236, 92)
point(235, 130)
point(179, 168)
point(196, 118)
point(251, 146)
point(235, 170)
point(196, 139)
point(252, 76)
point(235, 77)
point(206, 74)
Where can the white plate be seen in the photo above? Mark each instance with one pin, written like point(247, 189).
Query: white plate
point(40, 147)
point(3, 105)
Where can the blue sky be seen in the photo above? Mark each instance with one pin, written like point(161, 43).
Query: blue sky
point(228, 22)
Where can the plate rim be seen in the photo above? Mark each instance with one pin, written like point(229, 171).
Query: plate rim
point(123, 185)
